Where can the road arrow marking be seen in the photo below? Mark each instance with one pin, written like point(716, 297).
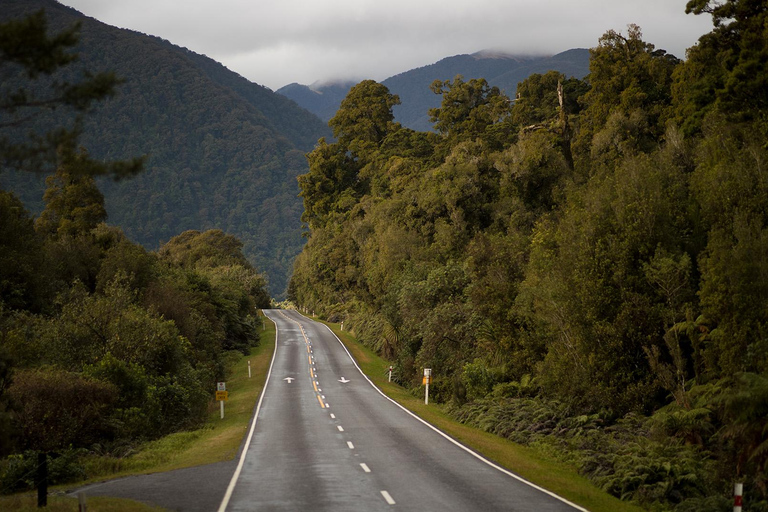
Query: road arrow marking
point(289, 379)
point(344, 381)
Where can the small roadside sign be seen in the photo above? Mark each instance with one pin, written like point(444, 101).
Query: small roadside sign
point(221, 386)
point(222, 396)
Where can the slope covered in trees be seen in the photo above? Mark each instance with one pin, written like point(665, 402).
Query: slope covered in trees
point(585, 269)
point(222, 152)
point(103, 345)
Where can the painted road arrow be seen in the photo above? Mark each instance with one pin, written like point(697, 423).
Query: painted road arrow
point(343, 380)
point(289, 379)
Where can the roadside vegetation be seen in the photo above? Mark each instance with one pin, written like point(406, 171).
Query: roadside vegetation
point(105, 348)
point(215, 441)
point(583, 267)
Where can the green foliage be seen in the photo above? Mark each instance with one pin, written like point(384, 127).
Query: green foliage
point(22, 268)
point(584, 271)
point(74, 204)
point(18, 472)
point(222, 152)
point(56, 408)
point(725, 72)
point(471, 110)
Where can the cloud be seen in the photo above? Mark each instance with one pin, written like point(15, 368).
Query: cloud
point(275, 43)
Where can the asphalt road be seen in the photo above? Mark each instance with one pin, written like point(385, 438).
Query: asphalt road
point(324, 438)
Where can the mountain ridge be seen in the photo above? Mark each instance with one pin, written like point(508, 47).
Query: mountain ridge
point(500, 69)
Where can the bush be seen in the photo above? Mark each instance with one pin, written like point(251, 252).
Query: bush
point(18, 472)
point(57, 409)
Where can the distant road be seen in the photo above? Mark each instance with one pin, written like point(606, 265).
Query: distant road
point(325, 439)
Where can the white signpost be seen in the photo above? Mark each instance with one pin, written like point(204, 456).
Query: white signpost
point(221, 395)
point(427, 379)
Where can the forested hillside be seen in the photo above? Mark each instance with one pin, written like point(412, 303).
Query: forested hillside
point(412, 87)
point(584, 269)
point(103, 344)
point(222, 152)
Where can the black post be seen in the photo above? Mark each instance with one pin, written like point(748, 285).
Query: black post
point(42, 480)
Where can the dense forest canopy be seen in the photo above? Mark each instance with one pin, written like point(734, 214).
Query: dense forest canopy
point(103, 345)
point(596, 249)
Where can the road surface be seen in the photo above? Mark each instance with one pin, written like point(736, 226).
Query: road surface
point(324, 438)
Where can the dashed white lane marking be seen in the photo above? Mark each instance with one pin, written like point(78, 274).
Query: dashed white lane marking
point(351, 446)
point(365, 467)
point(341, 429)
point(387, 497)
point(333, 416)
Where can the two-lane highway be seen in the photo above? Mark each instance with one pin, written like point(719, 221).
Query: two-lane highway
point(324, 438)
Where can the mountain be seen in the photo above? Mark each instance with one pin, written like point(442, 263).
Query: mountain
point(322, 99)
point(502, 70)
point(222, 151)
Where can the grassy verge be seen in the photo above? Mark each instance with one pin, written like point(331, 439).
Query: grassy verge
point(526, 462)
point(217, 441)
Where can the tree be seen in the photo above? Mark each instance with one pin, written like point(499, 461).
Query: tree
point(30, 64)
point(726, 71)
point(365, 117)
point(23, 271)
point(73, 203)
point(471, 110)
point(628, 103)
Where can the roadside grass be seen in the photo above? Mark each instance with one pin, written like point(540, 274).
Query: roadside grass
point(218, 440)
point(526, 462)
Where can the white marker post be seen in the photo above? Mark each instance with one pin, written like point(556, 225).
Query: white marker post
point(427, 378)
point(738, 491)
point(342, 325)
point(390, 374)
point(249, 368)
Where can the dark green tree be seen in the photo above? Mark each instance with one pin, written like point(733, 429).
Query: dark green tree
point(727, 70)
point(73, 203)
point(471, 110)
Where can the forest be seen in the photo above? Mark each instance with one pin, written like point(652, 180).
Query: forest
point(103, 344)
point(583, 267)
point(220, 151)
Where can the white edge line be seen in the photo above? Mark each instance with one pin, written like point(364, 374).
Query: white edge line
point(236, 475)
point(449, 438)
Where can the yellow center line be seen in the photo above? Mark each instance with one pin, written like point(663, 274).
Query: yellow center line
point(321, 401)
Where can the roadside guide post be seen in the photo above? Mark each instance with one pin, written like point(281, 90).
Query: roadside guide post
point(427, 379)
point(738, 497)
point(390, 373)
point(249, 368)
point(222, 395)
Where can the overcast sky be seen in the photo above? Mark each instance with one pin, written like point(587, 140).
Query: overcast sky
point(278, 42)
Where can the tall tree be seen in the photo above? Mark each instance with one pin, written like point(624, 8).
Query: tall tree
point(74, 204)
point(470, 110)
point(727, 70)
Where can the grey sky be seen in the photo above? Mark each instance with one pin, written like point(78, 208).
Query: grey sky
point(283, 41)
